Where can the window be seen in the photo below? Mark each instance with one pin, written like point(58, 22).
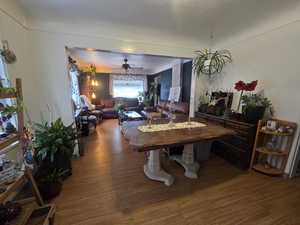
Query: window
point(75, 87)
point(127, 88)
point(6, 101)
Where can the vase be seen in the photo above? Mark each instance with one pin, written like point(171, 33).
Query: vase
point(253, 114)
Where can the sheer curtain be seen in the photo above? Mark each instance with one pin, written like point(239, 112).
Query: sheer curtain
point(75, 87)
point(6, 101)
point(127, 86)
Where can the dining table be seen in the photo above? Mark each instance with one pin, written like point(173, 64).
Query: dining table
point(157, 135)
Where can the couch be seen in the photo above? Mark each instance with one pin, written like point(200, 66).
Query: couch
point(163, 107)
point(107, 106)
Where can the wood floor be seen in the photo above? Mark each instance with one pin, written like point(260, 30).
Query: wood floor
point(108, 187)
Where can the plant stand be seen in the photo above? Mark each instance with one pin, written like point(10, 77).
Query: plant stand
point(153, 169)
point(262, 156)
point(187, 161)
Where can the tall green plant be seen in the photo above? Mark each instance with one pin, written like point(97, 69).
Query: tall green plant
point(147, 97)
point(53, 141)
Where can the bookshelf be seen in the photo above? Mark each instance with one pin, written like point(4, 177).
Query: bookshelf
point(33, 207)
point(271, 148)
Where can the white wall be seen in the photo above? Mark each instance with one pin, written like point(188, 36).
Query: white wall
point(12, 28)
point(273, 59)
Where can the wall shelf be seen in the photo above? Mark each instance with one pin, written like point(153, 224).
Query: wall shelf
point(266, 151)
point(272, 162)
point(30, 213)
point(9, 140)
point(275, 133)
point(271, 171)
point(6, 94)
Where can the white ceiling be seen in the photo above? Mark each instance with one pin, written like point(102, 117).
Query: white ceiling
point(192, 19)
point(111, 62)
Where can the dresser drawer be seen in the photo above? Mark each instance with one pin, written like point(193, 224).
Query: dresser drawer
point(238, 158)
point(238, 142)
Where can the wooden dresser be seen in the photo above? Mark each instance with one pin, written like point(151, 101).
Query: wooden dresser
point(237, 149)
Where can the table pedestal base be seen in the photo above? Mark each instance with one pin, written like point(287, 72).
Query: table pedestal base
point(187, 161)
point(153, 169)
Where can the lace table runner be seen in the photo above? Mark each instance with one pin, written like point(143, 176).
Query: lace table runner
point(164, 127)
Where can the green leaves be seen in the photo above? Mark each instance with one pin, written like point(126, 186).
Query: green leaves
point(207, 62)
point(52, 140)
point(10, 109)
point(255, 100)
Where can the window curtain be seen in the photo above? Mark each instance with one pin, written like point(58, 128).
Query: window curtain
point(5, 83)
point(75, 87)
point(113, 77)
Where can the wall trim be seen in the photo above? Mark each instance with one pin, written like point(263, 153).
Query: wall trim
point(14, 18)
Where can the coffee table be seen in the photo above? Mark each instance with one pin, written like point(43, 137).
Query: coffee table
point(129, 116)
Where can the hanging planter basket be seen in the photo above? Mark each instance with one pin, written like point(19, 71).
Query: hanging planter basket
point(207, 62)
point(7, 55)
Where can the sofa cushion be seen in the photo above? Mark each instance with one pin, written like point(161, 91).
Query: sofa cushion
point(108, 102)
point(134, 108)
point(131, 102)
point(109, 111)
point(162, 104)
point(181, 107)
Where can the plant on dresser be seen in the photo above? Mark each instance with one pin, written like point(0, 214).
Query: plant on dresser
point(253, 105)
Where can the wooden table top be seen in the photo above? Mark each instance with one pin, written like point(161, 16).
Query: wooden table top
point(146, 141)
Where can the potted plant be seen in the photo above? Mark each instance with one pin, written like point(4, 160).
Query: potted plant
point(254, 107)
point(50, 185)
point(208, 62)
point(147, 97)
point(54, 146)
point(243, 87)
point(119, 106)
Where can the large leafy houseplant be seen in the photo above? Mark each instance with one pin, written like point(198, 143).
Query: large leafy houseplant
point(54, 143)
point(50, 185)
point(147, 97)
point(119, 105)
point(54, 146)
point(208, 62)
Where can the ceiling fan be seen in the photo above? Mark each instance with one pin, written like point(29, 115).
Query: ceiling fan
point(127, 67)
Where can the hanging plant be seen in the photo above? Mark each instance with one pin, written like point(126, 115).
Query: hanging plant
point(208, 62)
point(8, 56)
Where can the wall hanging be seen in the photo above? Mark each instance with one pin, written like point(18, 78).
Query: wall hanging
point(8, 55)
point(208, 62)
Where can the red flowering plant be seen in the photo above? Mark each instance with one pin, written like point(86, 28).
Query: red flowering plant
point(242, 86)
